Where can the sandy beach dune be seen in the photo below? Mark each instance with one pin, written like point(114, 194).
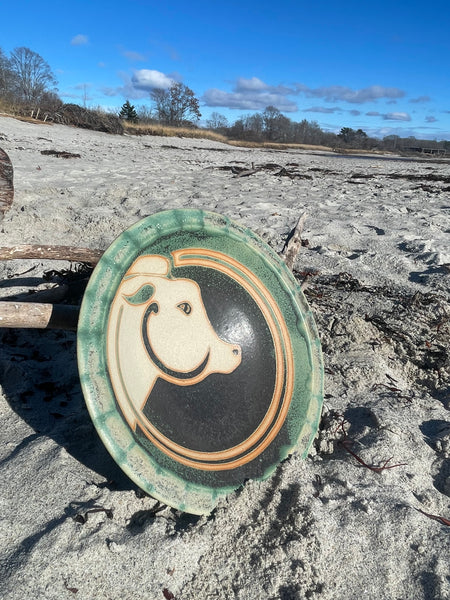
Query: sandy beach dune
point(376, 267)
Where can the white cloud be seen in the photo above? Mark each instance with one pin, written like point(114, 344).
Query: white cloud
point(404, 132)
point(141, 84)
point(251, 94)
point(253, 84)
point(322, 109)
point(255, 94)
point(111, 92)
point(420, 100)
point(335, 93)
point(392, 116)
point(79, 40)
point(69, 95)
point(149, 79)
point(247, 101)
point(397, 116)
point(134, 56)
point(81, 92)
point(430, 119)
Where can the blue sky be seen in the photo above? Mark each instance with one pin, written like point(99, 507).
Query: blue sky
point(381, 66)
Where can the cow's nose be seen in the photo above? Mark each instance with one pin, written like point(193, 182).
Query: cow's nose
point(236, 350)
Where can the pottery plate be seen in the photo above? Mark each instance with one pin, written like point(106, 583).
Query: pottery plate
point(199, 358)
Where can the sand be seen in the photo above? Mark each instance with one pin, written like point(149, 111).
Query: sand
point(377, 270)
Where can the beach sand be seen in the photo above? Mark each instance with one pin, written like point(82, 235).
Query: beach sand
point(376, 269)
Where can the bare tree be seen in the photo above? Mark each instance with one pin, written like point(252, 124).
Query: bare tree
point(276, 126)
point(308, 132)
point(248, 127)
point(177, 105)
point(254, 125)
point(217, 121)
point(33, 76)
point(145, 114)
point(6, 77)
point(270, 117)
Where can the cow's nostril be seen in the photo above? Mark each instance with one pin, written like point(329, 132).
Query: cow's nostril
point(235, 351)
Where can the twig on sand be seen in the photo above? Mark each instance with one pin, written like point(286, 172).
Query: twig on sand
point(346, 443)
point(294, 243)
point(74, 590)
point(435, 517)
point(246, 172)
point(79, 518)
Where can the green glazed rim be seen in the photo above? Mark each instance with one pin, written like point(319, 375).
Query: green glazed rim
point(197, 232)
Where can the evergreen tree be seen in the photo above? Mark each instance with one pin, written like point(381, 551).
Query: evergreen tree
point(128, 112)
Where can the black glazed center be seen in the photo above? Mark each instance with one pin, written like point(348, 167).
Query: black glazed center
point(223, 409)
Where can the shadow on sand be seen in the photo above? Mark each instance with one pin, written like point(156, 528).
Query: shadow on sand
point(39, 377)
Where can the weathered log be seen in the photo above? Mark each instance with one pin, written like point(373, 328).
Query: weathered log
point(31, 315)
point(294, 243)
point(70, 253)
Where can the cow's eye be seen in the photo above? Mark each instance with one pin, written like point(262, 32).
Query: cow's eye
point(185, 307)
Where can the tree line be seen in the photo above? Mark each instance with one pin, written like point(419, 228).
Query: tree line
point(178, 106)
point(28, 83)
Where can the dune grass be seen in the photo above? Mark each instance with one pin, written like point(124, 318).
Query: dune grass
point(166, 131)
point(277, 145)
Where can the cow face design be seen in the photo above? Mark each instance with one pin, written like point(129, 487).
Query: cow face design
point(159, 328)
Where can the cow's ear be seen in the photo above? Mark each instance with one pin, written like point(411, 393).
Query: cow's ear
point(142, 296)
point(152, 264)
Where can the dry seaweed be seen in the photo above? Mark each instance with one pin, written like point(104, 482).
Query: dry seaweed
point(60, 154)
point(438, 518)
point(273, 168)
point(433, 177)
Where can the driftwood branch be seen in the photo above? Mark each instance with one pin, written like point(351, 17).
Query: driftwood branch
point(31, 315)
point(35, 315)
point(71, 253)
point(247, 172)
point(294, 243)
